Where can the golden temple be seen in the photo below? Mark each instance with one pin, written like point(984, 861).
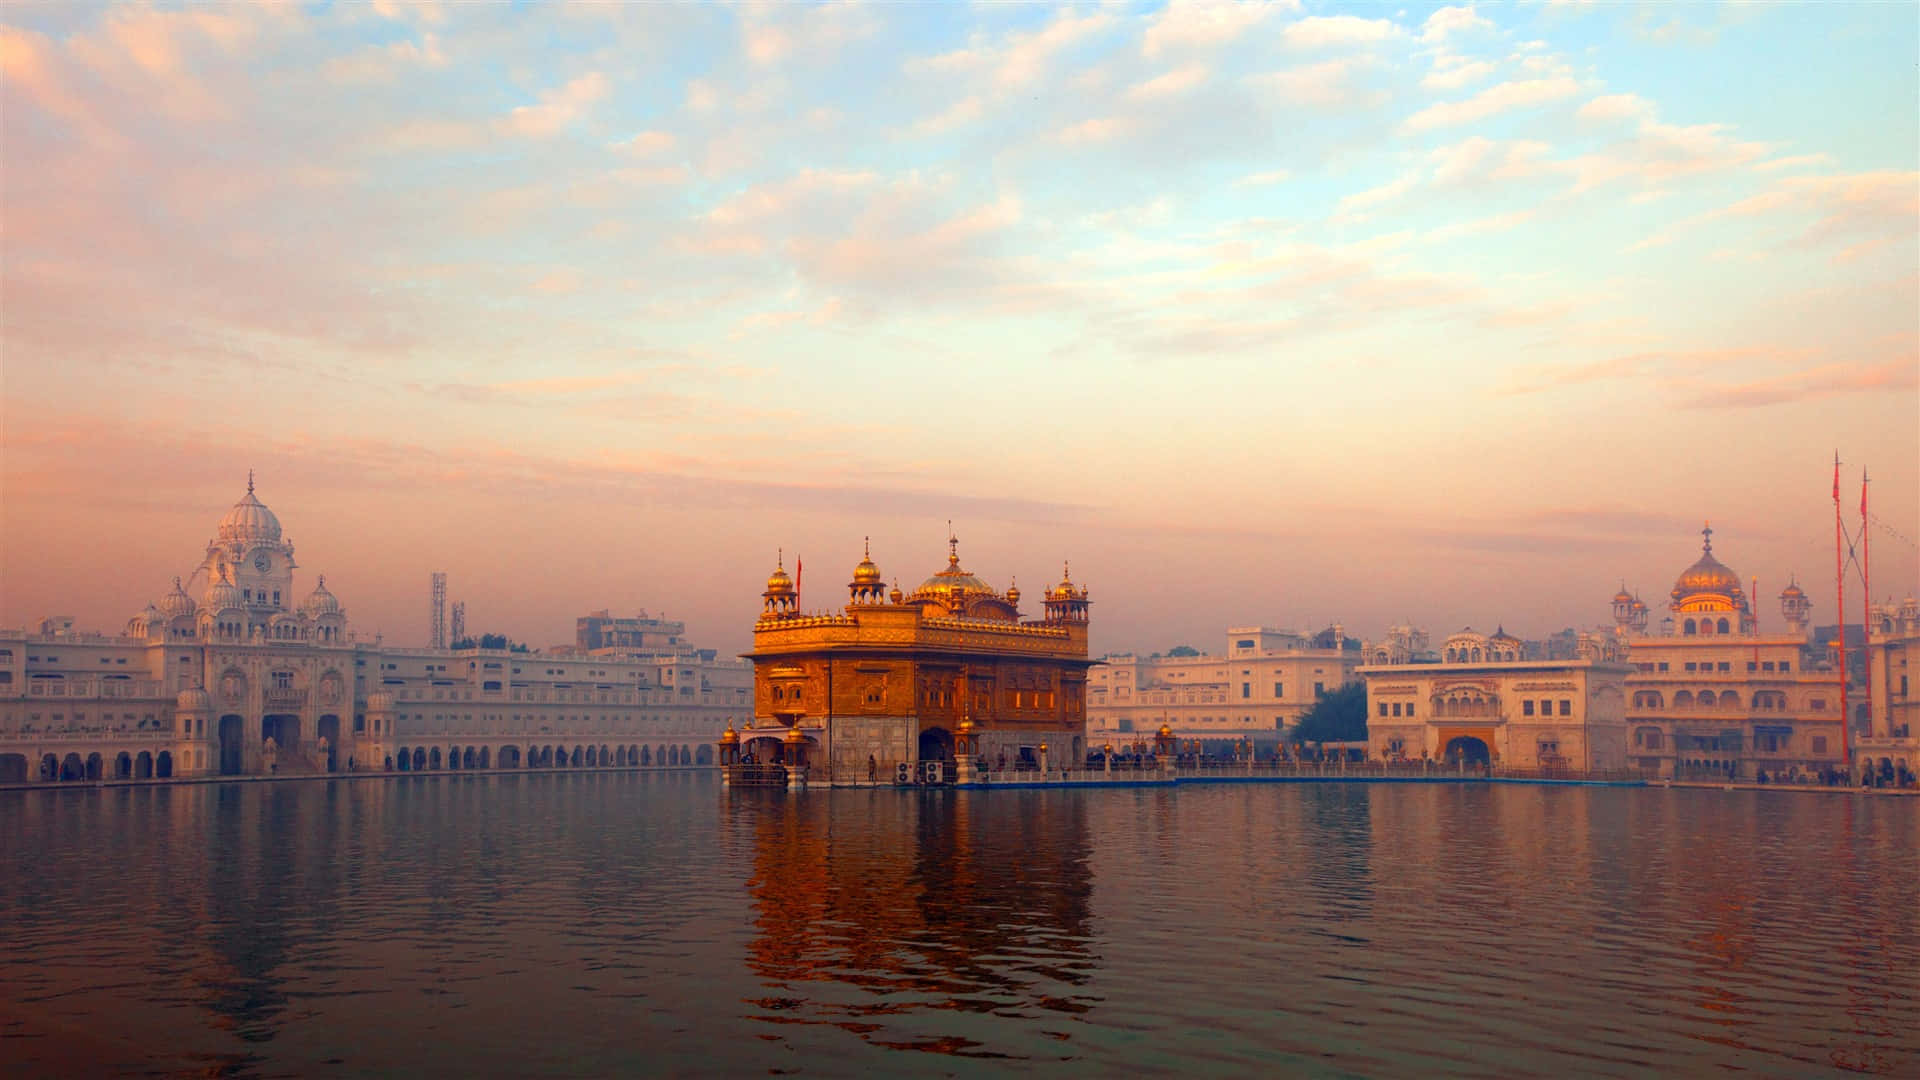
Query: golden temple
point(928, 683)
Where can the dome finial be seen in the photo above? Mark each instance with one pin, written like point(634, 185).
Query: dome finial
point(866, 547)
point(1706, 537)
point(249, 481)
point(953, 545)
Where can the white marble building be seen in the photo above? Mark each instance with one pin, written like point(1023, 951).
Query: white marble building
point(227, 674)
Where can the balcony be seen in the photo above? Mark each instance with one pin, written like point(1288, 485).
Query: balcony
point(285, 698)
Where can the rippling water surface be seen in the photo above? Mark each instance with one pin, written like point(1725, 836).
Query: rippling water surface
point(608, 923)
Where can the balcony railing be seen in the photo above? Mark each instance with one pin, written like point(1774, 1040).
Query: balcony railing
point(286, 698)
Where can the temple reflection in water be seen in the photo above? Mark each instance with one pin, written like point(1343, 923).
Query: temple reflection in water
point(942, 912)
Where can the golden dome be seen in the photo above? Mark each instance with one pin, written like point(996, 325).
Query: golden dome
point(1013, 593)
point(729, 736)
point(1793, 589)
point(1166, 732)
point(1623, 596)
point(794, 737)
point(866, 573)
point(1707, 574)
point(778, 582)
point(953, 582)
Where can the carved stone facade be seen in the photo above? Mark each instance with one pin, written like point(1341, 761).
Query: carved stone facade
point(1546, 714)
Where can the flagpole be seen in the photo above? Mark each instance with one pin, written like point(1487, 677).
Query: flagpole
point(1840, 585)
point(1866, 590)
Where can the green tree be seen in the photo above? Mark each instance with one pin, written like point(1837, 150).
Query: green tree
point(1339, 716)
point(1183, 650)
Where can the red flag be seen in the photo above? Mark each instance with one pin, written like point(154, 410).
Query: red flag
point(800, 565)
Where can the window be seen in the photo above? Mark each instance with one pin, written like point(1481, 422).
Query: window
point(1277, 688)
point(1396, 709)
point(1691, 665)
point(1383, 708)
point(1751, 666)
point(1526, 707)
point(1766, 665)
point(1246, 690)
point(1409, 708)
point(1566, 707)
point(1819, 744)
point(1725, 666)
point(1663, 665)
point(1785, 666)
point(1319, 688)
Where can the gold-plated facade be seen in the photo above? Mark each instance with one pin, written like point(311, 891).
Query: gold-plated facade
point(905, 677)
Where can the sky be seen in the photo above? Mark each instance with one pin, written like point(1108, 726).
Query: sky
point(1283, 314)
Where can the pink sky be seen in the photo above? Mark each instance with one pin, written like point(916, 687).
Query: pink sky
point(1283, 314)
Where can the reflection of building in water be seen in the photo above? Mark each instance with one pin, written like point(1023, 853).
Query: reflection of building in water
point(959, 897)
point(899, 678)
point(1893, 666)
point(1266, 680)
point(231, 672)
point(1711, 694)
point(1483, 703)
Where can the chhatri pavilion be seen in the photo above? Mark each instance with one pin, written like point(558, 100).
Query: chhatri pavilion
point(946, 673)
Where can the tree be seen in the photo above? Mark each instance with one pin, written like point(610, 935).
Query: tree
point(1183, 650)
point(1340, 715)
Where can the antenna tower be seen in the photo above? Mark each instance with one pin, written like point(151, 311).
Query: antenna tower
point(459, 629)
point(437, 635)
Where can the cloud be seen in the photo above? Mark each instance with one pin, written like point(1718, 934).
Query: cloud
point(1616, 107)
point(1263, 179)
point(1171, 84)
point(1803, 161)
point(1826, 380)
point(1098, 129)
point(1205, 24)
point(1360, 205)
point(1457, 76)
point(1020, 59)
point(1497, 223)
point(1492, 101)
point(1685, 377)
point(1329, 82)
point(960, 114)
point(558, 109)
point(1337, 31)
point(1479, 161)
point(1448, 21)
point(648, 143)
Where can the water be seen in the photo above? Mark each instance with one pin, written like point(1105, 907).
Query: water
point(593, 924)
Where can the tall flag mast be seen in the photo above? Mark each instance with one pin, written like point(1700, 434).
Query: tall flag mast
point(1866, 591)
point(1840, 587)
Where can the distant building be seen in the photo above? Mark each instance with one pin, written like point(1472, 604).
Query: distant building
point(1261, 684)
point(641, 633)
point(1893, 654)
point(1712, 696)
point(1481, 702)
point(902, 678)
point(231, 673)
